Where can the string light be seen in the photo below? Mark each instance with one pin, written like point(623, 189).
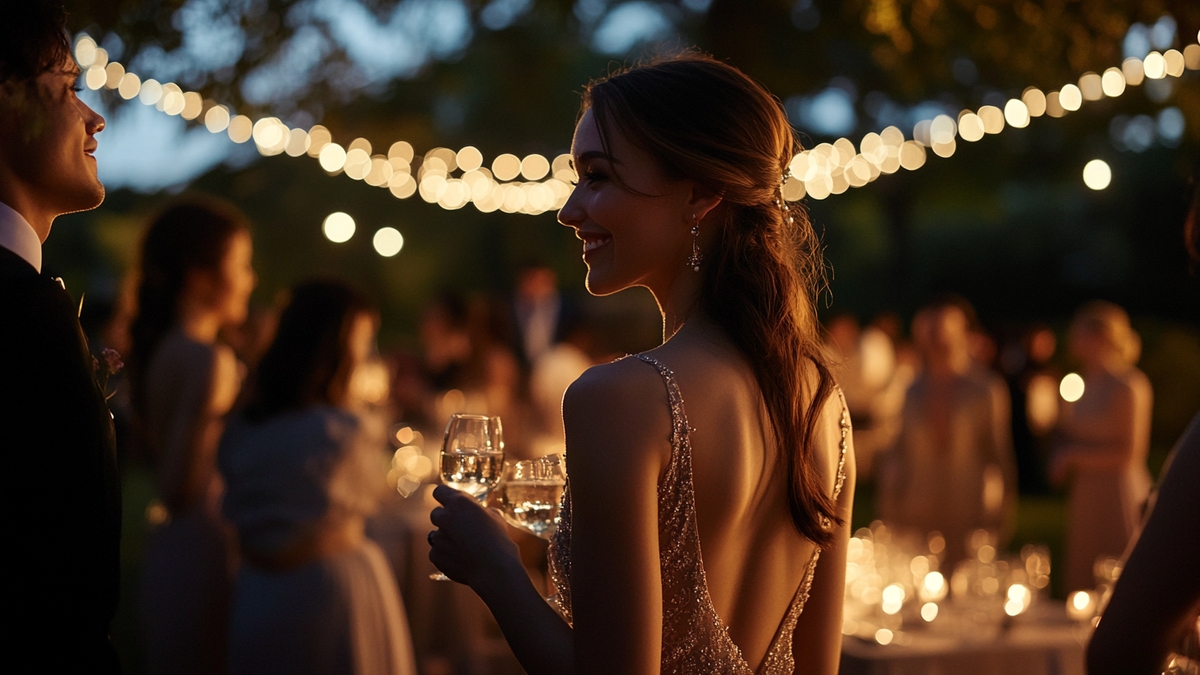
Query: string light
point(1097, 174)
point(388, 241)
point(339, 227)
point(534, 184)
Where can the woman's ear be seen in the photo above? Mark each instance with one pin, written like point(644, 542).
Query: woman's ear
point(702, 201)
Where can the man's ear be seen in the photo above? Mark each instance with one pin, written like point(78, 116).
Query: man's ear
point(20, 110)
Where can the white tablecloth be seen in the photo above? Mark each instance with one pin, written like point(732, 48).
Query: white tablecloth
point(1043, 643)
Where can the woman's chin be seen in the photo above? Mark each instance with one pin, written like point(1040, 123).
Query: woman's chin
point(600, 284)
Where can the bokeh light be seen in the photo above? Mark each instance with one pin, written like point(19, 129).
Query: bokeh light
point(929, 611)
point(1097, 174)
point(506, 166)
point(216, 119)
point(240, 128)
point(1016, 113)
point(332, 157)
point(1070, 98)
point(387, 241)
point(1154, 66)
point(1091, 86)
point(338, 227)
point(1113, 82)
point(1071, 387)
point(1035, 101)
point(469, 158)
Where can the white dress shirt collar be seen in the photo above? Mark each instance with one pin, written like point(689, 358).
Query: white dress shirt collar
point(17, 235)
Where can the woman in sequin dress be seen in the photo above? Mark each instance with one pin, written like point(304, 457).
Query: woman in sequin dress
point(704, 525)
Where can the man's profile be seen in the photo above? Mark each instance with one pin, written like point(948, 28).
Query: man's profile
point(61, 502)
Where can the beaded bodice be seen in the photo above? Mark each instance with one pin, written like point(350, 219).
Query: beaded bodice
point(694, 638)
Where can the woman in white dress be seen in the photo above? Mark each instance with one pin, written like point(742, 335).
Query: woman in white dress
point(704, 526)
point(303, 469)
point(194, 280)
point(1104, 438)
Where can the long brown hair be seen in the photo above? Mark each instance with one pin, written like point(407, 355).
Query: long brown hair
point(705, 121)
point(308, 362)
point(188, 235)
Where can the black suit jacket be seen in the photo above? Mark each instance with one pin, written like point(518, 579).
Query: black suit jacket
point(61, 494)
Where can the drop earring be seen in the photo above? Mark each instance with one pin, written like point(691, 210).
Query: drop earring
point(695, 258)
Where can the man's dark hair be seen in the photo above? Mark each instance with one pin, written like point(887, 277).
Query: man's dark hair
point(33, 39)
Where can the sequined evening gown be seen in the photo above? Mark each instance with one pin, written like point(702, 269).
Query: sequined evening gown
point(694, 639)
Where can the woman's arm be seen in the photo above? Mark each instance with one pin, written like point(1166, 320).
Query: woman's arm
point(205, 397)
point(1159, 589)
point(817, 641)
point(618, 439)
point(618, 433)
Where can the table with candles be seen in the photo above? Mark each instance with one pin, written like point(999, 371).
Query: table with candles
point(990, 614)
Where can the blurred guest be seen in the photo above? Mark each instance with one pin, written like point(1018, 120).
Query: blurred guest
point(445, 337)
point(1033, 388)
point(866, 368)
point(493, 378)
point(303, 467)
point(553, 372)
point(1104, 437)
point(952, 467)
point(63, 503)
point(194, 280)
point(1155, 607)
point(539, 310)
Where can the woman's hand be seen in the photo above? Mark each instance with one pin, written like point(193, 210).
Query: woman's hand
point(471, 544)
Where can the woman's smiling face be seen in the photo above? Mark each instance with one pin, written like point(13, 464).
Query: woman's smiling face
point(635, 234)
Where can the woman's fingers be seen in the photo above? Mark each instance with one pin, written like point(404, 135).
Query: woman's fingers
point(445, 494)
point(438, 517)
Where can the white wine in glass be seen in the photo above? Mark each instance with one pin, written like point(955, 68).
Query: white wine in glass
point(531, 492)
point(472, 457)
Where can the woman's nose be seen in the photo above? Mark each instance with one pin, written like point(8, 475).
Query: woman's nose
point(572, 213)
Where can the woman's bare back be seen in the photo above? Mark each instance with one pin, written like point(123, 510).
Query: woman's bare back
point(754, 563)
point(753, 556)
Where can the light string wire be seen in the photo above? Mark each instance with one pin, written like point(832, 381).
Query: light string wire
point(534, 185)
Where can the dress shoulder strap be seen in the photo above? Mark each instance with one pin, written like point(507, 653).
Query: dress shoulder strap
point(679, 422)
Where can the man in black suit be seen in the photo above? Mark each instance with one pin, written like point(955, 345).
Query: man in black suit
point(61, 494)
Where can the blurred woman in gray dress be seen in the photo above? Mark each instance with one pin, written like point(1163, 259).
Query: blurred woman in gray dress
point(304, 467)
point(194, 281)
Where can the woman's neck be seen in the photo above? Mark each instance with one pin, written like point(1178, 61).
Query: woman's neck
point(199, 323)
point(678, 300)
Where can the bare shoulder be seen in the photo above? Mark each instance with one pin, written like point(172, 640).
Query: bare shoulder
point(1135, 382)
point(618, 408)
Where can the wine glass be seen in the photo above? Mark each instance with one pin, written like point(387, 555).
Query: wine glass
point(530, 494)
point(472, 457)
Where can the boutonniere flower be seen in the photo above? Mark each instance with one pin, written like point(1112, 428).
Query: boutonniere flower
point(111, 366)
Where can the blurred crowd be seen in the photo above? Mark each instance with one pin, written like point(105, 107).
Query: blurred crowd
point(278, 439)
point(270, 435)
point(953, 425)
